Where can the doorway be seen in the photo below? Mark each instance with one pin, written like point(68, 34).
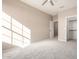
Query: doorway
point(56, 29)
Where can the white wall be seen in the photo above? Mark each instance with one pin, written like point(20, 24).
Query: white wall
point(62, 23)
point(32, 18)
point(51, 28)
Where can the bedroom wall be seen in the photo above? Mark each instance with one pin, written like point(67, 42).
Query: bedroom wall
point(32, 18)
point(62, 23)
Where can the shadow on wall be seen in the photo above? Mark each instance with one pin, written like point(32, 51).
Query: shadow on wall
point(15, 33)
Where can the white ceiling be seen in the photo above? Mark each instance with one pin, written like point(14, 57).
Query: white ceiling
point(48, 8)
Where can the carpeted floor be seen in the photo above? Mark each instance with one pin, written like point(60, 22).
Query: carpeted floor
point(47, 49)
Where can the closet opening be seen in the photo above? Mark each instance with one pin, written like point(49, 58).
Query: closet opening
point(56, 29)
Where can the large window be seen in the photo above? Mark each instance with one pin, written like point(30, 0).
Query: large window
point(14, 32)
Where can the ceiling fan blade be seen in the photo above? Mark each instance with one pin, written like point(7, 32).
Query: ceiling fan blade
point(52, 3)
point(44, 2)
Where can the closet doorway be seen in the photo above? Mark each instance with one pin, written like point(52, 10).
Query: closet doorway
point(56, 29)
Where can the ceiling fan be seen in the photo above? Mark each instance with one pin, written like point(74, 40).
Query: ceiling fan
point(52, 2)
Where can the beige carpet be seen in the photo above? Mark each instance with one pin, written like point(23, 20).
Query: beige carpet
point(47, 49)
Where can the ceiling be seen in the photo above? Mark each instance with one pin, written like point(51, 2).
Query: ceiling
point(59, 5)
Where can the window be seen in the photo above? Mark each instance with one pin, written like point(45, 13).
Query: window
point(14, 32)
